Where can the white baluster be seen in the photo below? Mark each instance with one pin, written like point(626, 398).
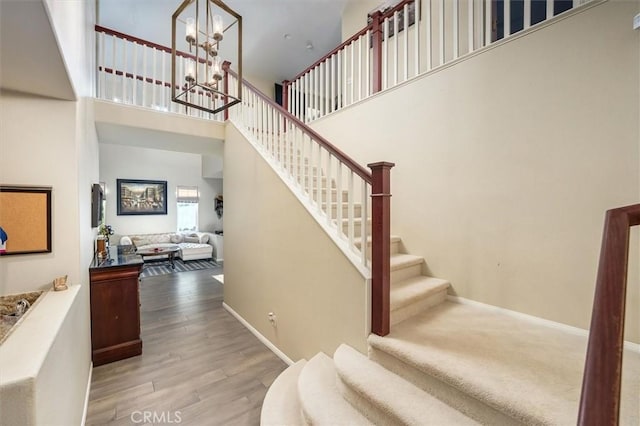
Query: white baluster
point(113, 67)
point(471, 25)
point(339, 199)
point(361, 76)
point(405, 40)
point(507, 18)
point(456, 29)
point(332, 98)
point(549, 9)
point(350, 213)
point(328, 185)
point(124, 71)
point(163, 79)
point(385, 55)
point(396, 54)
point(344, 77)
point(442, 32)
point(488, 18)
point(144, 76)
point(103, 74)
point(364, 229)
point(338, 100)
point(134, 85)
point(352, 49)
point(153, 77)
point(416, 41)
point(527, 14)
point(428, 30)
point(367, 61)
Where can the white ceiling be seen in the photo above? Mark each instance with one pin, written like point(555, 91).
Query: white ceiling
point(266, 52)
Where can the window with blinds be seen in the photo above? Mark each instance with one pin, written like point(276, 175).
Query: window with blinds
point(187, 198)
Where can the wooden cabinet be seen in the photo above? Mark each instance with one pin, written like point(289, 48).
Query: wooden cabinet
point(115, 307)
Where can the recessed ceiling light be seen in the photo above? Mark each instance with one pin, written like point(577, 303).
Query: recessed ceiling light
point(309, 46)
point(287, 36)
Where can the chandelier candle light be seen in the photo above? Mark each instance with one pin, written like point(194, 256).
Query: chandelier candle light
point(197, 76)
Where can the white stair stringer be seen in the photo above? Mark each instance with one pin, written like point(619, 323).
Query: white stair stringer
point(387, 399)
point(320, 399)
point(281, 405)
point(496, 368)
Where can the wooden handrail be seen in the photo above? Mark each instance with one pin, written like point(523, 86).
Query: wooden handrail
point(117, 34)
point(346, 160)
point(600, 399)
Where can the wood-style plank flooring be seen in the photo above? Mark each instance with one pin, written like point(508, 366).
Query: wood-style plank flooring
point(199, 365)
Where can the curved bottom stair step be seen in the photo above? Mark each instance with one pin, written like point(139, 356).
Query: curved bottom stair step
point(387, 399)
point(496, 367)
point(281, 405)
point(320, 398)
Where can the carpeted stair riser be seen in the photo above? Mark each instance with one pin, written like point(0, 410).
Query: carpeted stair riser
point(387, 399)
point(320, 400)
point(451, 396)
point(394, 245)
point(405, 270)
point(401, 313)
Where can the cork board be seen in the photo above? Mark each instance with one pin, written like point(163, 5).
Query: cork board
point(25, 220)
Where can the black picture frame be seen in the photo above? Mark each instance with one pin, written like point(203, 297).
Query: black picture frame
point(25, 217)
point(141, 197)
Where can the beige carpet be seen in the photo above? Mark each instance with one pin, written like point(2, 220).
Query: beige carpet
point(528, 371)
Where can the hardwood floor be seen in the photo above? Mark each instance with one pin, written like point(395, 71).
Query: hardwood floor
point(199, 365)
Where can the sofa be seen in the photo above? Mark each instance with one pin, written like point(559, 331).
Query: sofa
point(193, 246)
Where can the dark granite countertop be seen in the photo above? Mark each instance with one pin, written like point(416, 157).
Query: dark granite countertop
point(117, 256)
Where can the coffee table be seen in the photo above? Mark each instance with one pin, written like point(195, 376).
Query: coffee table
point(170, 251)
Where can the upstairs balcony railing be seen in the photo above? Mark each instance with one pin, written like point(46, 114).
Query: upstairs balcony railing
point(137, 72)
point(412, 38)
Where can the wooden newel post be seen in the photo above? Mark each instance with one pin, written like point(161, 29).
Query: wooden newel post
point(380, 247)
point(285, 94)
point(376, 77)
point(225, 67)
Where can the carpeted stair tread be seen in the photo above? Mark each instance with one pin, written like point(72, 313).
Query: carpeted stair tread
point(530, 371)
point(281, 405)
point(320, 398)
point(386, 398)
point(414, 289)
point(403, 260)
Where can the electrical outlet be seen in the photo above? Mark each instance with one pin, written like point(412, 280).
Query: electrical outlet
point(636, 22)
point(272, 318)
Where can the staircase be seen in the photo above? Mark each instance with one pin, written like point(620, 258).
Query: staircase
point(451, 364)
point(445, 361)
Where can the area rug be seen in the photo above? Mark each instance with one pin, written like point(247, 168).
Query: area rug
point(162, 268)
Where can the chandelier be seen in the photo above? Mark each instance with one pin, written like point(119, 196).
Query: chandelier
point(198, 77)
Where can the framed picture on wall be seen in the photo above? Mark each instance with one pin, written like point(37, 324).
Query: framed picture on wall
point(25, 220)
point(141, 197)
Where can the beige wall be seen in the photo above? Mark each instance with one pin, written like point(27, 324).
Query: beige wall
point(38, 147)
point(506, 163)
point(318, 296)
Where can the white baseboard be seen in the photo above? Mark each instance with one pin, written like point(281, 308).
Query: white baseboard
point(634, 347)
point(85, 410)
point(259, 335)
